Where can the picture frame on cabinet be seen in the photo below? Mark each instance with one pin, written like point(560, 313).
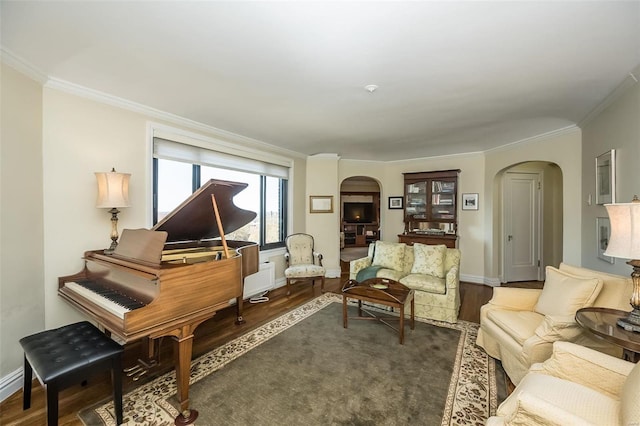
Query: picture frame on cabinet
point(396, 203)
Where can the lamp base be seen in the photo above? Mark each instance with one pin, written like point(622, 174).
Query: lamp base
point(631, 322)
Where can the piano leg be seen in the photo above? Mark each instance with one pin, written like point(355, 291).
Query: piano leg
point(182, 349)
point(239, 319)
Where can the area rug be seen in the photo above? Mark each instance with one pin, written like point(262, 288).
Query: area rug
point(305, 368)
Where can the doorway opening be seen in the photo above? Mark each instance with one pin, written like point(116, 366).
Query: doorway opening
point(359, 216)
point(531, 220)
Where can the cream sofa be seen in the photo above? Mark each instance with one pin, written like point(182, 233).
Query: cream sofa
point(518, 326)
point(432, 271)
point(576, 386)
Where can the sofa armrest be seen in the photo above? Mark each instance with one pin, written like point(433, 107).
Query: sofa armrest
point(521, 299)
point(554, 328)
point(578, 364)
point(532, 410)
point(452, 280)
point(357, 265)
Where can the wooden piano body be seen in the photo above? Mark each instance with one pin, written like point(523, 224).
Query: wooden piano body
point(179, 284)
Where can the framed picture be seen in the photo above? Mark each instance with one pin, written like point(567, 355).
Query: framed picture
point(321, 204)
point(396, 202)
point(603, 231)
point(606, 178)
point(469, 201)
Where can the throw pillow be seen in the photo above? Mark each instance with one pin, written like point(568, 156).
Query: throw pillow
point(563, 294)
point(389, 255)
point(429, 260)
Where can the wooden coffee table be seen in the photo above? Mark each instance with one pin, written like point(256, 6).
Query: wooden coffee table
point(382, 291)
point(603, 323)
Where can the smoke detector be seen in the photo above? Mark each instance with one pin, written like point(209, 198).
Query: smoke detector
point(371, 88)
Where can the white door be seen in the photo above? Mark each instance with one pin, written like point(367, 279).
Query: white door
point(521, 201)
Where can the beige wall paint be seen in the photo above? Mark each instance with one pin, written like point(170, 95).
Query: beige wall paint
point(22, 307)
point(617, 127)
point(562, 149)
point(322, 179)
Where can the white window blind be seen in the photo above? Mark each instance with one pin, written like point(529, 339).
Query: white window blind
point(171, 150)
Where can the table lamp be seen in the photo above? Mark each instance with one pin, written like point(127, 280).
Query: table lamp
point(113, 193)
point(625, 243)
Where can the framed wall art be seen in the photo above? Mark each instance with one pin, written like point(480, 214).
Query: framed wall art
point(603, 232)
point(321, 204)
point(606, 178)
point(396, 202)
point(469, 201)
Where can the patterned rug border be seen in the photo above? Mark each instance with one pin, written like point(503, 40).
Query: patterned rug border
point(471, 399)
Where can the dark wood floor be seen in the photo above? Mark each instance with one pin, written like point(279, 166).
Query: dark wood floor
point(212, 333)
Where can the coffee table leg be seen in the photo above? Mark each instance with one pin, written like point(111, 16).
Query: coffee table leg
point(401, 324)
point(359, 308)
point(413, 315)
point(344, 311)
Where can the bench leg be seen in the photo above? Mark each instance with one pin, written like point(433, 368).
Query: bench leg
point(52, 403)
point(116, 382)
point(26, 384)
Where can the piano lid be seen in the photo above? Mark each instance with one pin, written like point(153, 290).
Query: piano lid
point(195, 220)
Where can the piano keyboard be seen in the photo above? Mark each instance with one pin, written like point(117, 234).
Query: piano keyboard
point(116, 303)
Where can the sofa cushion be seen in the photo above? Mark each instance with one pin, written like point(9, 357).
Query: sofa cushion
point(300, 271)
point(428, 259)
point(616, 289)
point(520, 325)
point(630, 409)
point(390, 274)
point(389, 255)
point(427, 283)
point(594, 407)
point(563, 293)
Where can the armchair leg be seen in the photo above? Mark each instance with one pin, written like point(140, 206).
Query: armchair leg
point(288, 287)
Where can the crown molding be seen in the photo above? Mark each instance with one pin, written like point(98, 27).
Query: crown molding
point(629, 81)
point(105, 98)
point(21, 65)
point(553, 133)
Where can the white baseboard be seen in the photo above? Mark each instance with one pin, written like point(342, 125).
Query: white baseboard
point(476, 279)
point(10, 384)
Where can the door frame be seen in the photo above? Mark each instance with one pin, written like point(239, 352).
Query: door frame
point(539, 199)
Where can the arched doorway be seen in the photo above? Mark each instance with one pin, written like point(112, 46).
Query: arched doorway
point(359, 217)
point(531, 220)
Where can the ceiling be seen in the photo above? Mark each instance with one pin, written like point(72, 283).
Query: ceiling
point(453, 77)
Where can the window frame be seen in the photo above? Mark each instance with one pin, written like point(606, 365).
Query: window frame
point(196, 183)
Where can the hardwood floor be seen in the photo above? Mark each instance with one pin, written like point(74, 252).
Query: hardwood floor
point(214, 332)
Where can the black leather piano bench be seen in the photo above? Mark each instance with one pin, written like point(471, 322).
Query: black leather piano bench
point(67, 356)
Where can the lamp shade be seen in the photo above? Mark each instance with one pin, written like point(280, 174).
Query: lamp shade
point(625, 230)
point(113, 189)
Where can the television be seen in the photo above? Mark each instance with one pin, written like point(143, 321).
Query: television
point(358, 213)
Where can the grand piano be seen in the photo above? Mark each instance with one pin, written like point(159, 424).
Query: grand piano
point(168, 280)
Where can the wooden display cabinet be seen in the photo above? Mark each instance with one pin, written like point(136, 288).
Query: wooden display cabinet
point(430, 208)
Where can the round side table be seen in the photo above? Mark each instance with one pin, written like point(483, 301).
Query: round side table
point(602, 323)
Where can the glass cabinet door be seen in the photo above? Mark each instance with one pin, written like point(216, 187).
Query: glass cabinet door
point(416, 202)
point(443, 200)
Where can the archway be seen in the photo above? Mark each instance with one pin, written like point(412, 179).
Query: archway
point(529, 220)
point(359, 217)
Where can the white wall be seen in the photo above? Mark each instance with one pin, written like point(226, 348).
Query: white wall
point(617, 127)
point(22, 307)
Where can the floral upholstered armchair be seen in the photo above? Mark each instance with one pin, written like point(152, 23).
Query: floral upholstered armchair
point(303, 263)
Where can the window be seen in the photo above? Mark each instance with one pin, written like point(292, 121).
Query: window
point(180, 169)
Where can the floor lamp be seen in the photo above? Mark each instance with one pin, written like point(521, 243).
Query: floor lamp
point(113, 193)
point(625, 243)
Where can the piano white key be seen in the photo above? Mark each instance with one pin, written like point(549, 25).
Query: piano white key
point(103, 302)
